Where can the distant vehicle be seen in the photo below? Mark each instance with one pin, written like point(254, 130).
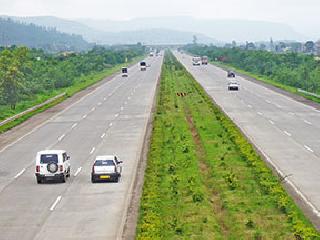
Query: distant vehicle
point(196, 61)
point(143, 66)
point(151, 54)
point(124, 71)
point(106, 168)
point(52, 165)
point(231, 74)
point(233, 86)
point(204, 60)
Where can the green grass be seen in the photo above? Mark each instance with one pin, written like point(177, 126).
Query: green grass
point(80, 84)
point(267, 80)
point(203, 179)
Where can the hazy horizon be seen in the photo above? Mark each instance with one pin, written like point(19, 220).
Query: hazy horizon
point(301, 16)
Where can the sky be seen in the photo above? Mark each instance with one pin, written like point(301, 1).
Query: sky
point(303, 16)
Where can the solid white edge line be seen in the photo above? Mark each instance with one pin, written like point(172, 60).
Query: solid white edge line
point(92, 150)
point(55, 203)
point(74, 125)
point(20, 173)
point(84, 116)
point(78, 171)
point(102, 136)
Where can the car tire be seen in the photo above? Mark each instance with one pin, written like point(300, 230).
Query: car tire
point(69, 173)
point(116, 179)
point(63, 179)
point(93, 181)
point(39, 181)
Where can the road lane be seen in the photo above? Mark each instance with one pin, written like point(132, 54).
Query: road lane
point(283, 129)
point(79, 209)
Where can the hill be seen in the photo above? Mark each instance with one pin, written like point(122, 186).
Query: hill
point(30, 35)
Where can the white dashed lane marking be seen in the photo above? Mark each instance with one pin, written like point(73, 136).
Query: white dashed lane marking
point(308, 148)
point(78, 171)
point(20, 173)
point(55, 203)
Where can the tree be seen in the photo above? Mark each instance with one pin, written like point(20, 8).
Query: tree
point(12, 66)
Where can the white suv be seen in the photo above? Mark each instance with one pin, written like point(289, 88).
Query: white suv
point(52, 165)
point(106, 167)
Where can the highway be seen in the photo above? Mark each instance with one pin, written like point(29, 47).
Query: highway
point(112, 119)
point(285, 131)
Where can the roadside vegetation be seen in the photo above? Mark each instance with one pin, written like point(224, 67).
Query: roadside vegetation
point(29, 77)
point(288, 71)
point(203, 179)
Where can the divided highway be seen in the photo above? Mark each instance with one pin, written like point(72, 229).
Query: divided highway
point(287, 132)
point(110, 120)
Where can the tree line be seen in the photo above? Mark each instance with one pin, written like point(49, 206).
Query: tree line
point(25, 72)
point(292, 69)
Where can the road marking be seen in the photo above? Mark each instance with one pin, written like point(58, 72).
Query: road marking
point(129, 98)
point(61, 137)
point(121, 109)
point(125, 102)
point(104, 99)
point(102, 136)
point(272, 122)
point(20, 173)
point(308, 148)
point(93, 109)
point(110, 95)
point(307, 122)
point(74, 125)
point(278, 106)
point(116, 115)
point(99, 103)
point(287, 133)
point(268, 101)
point(260, 113)
point(78, 171)
point(92, 150)
point(110, 124)
point(84, 116)
point(55, 203)
point(249, 106)
point(292, 113)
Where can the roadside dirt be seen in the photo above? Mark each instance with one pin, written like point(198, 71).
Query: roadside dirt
point(27, 126)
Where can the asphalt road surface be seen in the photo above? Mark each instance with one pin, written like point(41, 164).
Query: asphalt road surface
point(110, 120)
point(287, 132)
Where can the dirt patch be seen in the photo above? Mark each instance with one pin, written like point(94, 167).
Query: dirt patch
point(215, 199)
point(17, 132)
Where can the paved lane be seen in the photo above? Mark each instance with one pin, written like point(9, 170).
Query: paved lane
point(286, 131)
point(110, 120)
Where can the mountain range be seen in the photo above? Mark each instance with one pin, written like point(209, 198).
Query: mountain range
point(167, 30)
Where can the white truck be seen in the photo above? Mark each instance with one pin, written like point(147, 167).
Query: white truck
point(143, 66)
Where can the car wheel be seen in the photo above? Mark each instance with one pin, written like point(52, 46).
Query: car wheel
point(39, 180)
point(93, 181)
point(116, 179)
point(63, 179)
point(69, 173)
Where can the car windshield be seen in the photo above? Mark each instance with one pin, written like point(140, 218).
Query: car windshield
point(104, 163)
point(49, 158)
point(142, 64)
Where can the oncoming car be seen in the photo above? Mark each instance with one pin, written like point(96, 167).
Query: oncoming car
point(106, 168)
point(52, 165)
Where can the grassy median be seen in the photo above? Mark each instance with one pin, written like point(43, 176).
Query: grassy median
point(203, 179)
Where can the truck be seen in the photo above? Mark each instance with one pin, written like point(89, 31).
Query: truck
point(196, 61)
point(204, 60)
point(143, 66)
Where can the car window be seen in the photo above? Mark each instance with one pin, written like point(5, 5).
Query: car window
point(49, 158)
point(104, 163)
